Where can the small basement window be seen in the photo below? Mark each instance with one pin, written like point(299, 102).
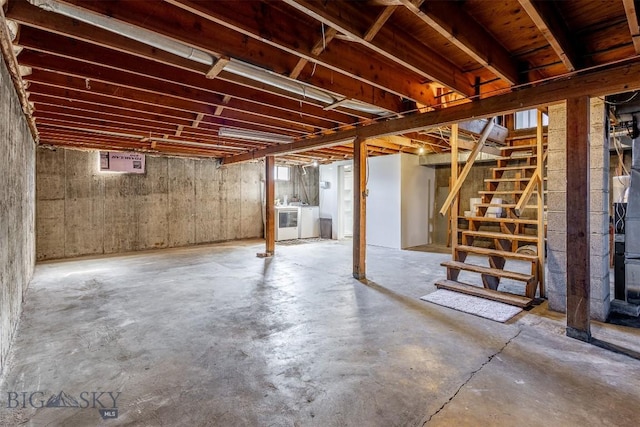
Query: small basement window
point(282, 173)
point(529, 119)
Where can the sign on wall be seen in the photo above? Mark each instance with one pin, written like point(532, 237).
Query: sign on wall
point(111, 161)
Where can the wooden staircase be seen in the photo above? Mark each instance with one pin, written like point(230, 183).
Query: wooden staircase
point(516, 180)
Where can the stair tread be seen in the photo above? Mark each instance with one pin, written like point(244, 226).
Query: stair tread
point(504, 297)
point(520, 147)
point(513, 275)
point(506, 192)
point(509, 179)
point(496, 252)
point(508, 220)
point(510, 168)
point(503, 205)
point(496, 235)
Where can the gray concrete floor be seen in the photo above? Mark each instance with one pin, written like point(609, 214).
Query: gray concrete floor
point(213, 335)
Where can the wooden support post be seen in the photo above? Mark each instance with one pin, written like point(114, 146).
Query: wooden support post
point(359, 208)
point(540, 156)
point(578, 266)
point(270, 193)
point(453, 212)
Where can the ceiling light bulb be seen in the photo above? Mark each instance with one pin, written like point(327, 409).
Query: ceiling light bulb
point(421, 150)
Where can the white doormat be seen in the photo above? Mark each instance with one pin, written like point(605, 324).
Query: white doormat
point(482, 307)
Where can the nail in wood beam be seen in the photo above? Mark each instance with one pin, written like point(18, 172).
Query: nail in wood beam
point(359, 208)
point(577, 202)
point(270, 192)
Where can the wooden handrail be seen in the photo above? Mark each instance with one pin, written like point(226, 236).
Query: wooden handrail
point(528, 191)
point(467, 167)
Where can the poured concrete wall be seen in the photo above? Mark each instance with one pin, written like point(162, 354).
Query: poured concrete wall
point(177, 202)
point(17, 201)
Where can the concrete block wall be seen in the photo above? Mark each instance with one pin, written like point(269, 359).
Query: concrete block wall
point(556, 269)
point(556, 278)
point(599, 157)
point(17, 210)
point(177, 202)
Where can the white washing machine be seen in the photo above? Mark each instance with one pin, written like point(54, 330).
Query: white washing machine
point(287, 222)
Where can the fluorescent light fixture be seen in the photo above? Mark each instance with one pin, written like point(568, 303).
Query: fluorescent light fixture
point(235, 66)
point(196, 144)
point(251, 135)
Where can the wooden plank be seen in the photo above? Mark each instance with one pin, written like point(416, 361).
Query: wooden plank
point(508, 179)
point(345, 67)
point(454, 212)
point(527, 193)
point(270, 210)
point(513, 192)
point(452, 22)
point(495, 252)
point(596, 82)
point(577, 202)
point(515, 168)
point(632, 19)
point(540, 157)
point(459, 180)
point(496, 272)
point(504, 297)
point(508, 220)
point(382, 18)
point(390, 44)
point(502, 236)
point(545, 17)
point(359, 208)
point(217, 67)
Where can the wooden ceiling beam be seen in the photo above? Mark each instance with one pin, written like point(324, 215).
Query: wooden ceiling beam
point(92, 116)
point(54, 44)
point(393, 45)
point(598, 82)
point(135, 135)
point(51, 83)
point(79, 107)
point(211, 36)
point(32, 16)
point(382, 18)
point(173, 93)
point(546, 18)
point(634, 26)
point(452, 22)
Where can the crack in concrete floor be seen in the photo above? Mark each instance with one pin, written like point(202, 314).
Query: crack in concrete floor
point(473, 373)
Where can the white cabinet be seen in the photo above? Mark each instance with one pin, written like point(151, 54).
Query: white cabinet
point(309, 222)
